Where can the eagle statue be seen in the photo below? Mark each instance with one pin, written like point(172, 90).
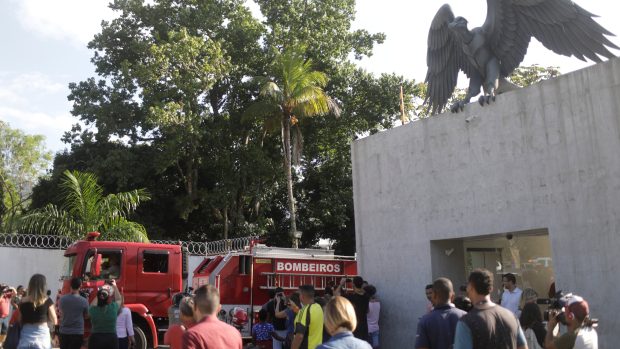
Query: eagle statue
point(489, 54)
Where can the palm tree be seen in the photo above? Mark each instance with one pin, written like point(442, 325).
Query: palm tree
point(294, 91)
point(85, 209)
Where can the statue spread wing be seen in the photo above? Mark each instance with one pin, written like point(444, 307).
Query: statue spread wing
point(444, 58)
point(560, 25)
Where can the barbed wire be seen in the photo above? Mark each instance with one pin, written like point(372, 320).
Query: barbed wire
point(35, 241)
point(229, 245)
point(195, 248)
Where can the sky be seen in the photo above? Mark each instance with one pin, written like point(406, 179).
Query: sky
point(43, 49)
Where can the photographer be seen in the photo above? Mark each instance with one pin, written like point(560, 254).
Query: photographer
point(103, 314)
point(575, 316)
point(276, 309)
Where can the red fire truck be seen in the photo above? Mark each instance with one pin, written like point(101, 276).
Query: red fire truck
point(245, 277)
point(150, 275)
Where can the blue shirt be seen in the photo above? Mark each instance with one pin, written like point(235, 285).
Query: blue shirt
point(463, 338)
point(436, 329)
point(290, 321)
point(262, 331)
point(344, 340)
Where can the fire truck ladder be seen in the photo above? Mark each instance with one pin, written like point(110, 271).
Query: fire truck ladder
point(293, 281)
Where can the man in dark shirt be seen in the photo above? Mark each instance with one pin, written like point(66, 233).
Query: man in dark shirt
point(487, 325)
point(360, 300)
point(436, 329)
point(276, 308)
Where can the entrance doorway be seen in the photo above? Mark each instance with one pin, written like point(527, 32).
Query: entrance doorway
point(526, 254)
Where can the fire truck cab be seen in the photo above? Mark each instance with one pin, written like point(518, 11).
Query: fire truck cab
point(148, 275)
point(244, 277)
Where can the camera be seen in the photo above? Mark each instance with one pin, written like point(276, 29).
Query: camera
point(556, 307)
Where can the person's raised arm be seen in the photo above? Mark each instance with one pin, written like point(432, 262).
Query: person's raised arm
point(118, 297)
point(549, 339)
point(281, 314)
point(338, 289)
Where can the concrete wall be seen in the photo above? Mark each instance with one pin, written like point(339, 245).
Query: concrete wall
point(17, 265)
point(547, 156)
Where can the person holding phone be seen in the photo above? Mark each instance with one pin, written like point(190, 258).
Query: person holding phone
point(360, 301)
point(103, 313)
point(276, 311)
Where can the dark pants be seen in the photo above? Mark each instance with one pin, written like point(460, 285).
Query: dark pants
point(103, 341)
point(123, 343)
point(71, 341)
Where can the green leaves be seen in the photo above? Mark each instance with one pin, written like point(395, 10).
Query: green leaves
point(175, 83)
point(526, 76)
point(296, 87)
point(23, 160)
point(85, 209)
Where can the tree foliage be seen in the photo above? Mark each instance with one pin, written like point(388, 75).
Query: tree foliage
point(168, 111)
point(24, 161)
point(529, 75)
point(85, 209)
point(293, 92)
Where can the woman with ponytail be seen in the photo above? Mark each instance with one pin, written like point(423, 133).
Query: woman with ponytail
point(36, 309)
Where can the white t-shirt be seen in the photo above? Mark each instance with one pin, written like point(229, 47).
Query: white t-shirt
point(586, 339)
point(530, 338)
point(124, 325)
point(373, 316)
point(511, 300)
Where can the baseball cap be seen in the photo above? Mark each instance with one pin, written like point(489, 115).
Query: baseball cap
point(576, 305)
point(103, 294)
point(279, 289)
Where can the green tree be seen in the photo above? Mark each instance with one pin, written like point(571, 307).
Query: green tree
point(85, 209)
point(529, 75)
point(173, 78)
point(211, 171)
point(293, 92)
point(24, 161)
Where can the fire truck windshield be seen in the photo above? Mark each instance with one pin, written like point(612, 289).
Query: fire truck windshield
point(67, 270)
point(110, 265)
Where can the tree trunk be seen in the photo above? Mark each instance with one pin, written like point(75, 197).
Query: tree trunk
point(286, 145)
point(225, 222)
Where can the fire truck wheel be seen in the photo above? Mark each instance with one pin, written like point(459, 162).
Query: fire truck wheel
point(140, 337)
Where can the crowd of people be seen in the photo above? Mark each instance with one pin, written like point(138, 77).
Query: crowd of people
point(336, 319)
point(475, 321)
point(32, 321)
